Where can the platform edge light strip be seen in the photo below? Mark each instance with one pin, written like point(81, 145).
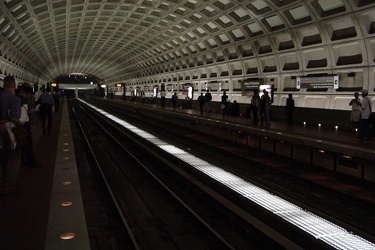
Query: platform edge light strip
point(314, 225)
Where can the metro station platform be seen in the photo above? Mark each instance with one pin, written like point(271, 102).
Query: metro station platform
point(46, 212)
point(333, 149)
point(328, 153)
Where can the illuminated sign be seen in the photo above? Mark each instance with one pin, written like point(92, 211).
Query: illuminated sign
point(213, 86)
point(118, 85)
point(321, 82)
point(53, 84)
point(248, 86)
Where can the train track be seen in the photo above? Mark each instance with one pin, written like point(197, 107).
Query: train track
point(311, 197)
point(161, 205)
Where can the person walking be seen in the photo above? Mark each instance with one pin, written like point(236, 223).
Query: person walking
point(289, 107)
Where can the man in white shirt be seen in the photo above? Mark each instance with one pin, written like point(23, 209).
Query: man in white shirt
point(38, 94)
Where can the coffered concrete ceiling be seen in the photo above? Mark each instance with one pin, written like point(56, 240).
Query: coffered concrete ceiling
point(132, 39)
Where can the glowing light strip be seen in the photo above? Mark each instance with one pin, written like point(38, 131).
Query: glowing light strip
point(318, 227)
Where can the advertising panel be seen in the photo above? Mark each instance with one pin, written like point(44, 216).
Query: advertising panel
point(320, 82)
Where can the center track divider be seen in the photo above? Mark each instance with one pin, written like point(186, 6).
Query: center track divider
point(322, 229)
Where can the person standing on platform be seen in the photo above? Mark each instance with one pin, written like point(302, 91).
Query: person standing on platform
point(143, 96)
point(27, 109)
point(365, 133)
point(31, 105)
point(355, 115)
point(255, 102)
point(208, 99)
point(56, 99)
point(201, 100)
point(262, 107)
point(174, 100)
point(38, 94)
point(267, 108)
point(224, 103)
point(162, 98)
point(289, 107)
point(47, 103)
point(10, 109)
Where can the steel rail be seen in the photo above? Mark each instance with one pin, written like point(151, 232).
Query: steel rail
point(123, 219)
point(201, 220)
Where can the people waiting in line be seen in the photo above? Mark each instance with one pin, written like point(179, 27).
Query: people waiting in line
point(355, 115)
point(47, 104)
point(174, 100)
point(224, 103)
point(10, 160)
point(201, 100)
point(26, 94)
point(208, 99)
point(365, 132)
point(289, 107)
point(255, 103)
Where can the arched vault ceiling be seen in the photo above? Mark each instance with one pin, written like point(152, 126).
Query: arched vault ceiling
point(119, 40)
